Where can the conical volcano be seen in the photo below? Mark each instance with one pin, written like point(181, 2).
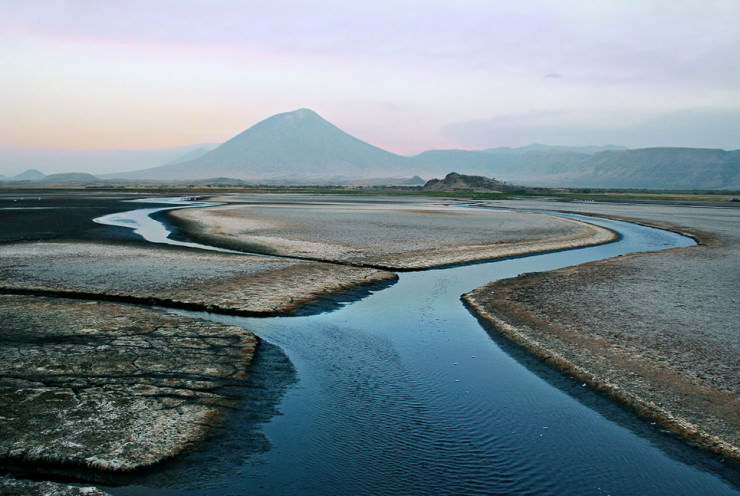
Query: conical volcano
point(293, 145)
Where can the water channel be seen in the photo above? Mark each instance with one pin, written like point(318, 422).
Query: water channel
point(405, 392)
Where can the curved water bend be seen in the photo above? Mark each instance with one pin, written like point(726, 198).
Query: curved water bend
point(404, 393)
point(141, 221)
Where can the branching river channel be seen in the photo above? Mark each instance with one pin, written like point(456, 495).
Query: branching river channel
point(405, 392)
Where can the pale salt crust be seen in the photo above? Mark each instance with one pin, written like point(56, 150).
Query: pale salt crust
point(389, 236)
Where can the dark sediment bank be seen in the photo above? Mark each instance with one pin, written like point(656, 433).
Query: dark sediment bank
point(44, 215)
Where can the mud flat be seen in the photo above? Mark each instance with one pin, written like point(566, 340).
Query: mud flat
point(392, 234)
point(193, 279)
point(13, 487)
point(656, 331)
point(88, 387)
point(27, 215)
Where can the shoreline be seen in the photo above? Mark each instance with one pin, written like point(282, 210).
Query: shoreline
point(674, 423)
point(570, 349)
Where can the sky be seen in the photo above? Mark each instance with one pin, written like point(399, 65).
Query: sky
point(405, 75)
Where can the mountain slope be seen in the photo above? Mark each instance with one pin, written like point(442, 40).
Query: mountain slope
point(662, 168)
point(298, 144)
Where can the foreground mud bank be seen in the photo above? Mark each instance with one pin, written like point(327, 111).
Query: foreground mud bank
point(90, 387)
point(655, 331)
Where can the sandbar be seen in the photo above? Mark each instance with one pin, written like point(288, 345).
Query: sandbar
point(394, 234)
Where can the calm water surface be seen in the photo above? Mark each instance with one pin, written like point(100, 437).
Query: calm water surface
point(404, 392)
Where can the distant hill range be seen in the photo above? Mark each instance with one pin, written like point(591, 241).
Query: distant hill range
point(301, 147)
point(65, 178)
point(649, 168)
point(94, 161)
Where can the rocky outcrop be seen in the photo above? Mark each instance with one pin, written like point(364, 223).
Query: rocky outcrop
point(454, 182)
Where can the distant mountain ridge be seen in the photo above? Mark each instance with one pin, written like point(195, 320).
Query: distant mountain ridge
point(539, 147)
point(659, 168)
point(300, 147)
point(648, 168)
point(98, 162)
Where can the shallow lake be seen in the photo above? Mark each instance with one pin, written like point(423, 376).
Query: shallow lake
point(404, 392)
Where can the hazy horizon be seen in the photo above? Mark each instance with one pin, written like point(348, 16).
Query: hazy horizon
point(16, 160)
point(404, 76)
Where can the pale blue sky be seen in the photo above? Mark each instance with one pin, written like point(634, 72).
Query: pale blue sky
point(404, 75)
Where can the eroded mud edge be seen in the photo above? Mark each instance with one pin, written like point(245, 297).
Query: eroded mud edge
point(519, 335)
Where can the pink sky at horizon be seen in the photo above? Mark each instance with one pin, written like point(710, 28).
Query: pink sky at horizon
point(405, 76)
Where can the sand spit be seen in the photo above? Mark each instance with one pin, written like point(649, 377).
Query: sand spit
point(394, 235)
point(236, 284)
point(87, 386)
point(655, 331)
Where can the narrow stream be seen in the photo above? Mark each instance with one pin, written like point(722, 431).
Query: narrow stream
point(141, 221)
point(404, 392)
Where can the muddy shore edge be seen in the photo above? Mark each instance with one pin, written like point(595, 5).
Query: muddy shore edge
point(561, 344)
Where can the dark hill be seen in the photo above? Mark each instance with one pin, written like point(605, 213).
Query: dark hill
point(70, 178)
point(29, 175)
point(454, 182)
